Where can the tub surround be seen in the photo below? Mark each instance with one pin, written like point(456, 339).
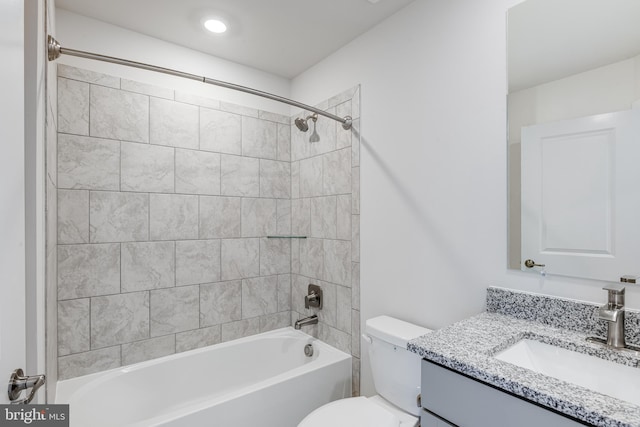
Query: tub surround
point(468, 347)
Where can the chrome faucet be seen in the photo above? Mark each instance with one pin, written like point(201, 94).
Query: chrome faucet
point(311, 320)
point(613, 313)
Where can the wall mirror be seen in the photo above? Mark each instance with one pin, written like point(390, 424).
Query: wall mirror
point(574, 137)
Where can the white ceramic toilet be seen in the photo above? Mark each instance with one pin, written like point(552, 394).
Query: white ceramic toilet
point(396, 377)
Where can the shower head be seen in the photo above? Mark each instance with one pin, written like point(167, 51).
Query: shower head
point(302, 124)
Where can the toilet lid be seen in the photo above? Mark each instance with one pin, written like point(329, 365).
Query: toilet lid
point(351, 412)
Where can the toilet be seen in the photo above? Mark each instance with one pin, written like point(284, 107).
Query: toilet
point(396, 377)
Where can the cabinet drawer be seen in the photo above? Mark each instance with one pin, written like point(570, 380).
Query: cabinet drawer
point(466, 402)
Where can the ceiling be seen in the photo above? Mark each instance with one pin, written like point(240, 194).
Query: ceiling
point(552, 39)
point(283, 37)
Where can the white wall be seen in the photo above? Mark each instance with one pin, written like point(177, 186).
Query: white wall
point(81, 33)
point(433, 162)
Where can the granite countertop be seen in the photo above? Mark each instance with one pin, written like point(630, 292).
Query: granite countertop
point(468, 346)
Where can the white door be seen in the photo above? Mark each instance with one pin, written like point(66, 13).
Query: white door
point(580, 200)
point(12, 192)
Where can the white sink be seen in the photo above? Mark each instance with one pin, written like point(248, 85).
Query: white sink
point(602, 376)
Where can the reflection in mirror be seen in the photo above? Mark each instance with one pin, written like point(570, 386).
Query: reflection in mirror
point(570, 60)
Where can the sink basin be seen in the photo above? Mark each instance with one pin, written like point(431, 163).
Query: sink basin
point(602, 376)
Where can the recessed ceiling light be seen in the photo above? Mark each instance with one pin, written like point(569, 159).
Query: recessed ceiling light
point(215, 26)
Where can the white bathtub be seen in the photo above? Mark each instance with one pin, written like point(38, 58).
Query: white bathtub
point(264, 380)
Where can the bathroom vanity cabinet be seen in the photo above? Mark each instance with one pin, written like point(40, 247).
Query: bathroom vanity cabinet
point(452, 399)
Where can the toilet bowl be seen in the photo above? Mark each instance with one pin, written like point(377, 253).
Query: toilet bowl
point(396, 377)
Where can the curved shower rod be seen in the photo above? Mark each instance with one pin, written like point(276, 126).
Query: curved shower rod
point(55, 50)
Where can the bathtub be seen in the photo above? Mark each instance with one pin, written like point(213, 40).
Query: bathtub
point(264, 380)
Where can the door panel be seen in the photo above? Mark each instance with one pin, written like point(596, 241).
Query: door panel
point(579, 197)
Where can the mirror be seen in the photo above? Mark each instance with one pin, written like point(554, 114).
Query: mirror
point(572, 62)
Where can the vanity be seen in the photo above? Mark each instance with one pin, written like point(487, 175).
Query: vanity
point(527, 362)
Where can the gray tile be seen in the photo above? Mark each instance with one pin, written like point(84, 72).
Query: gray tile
point(197, 172)
point(259, 217)
point(323, 217)
point(355, 190)
point(220, 302)
point(240, 329)
point(175, 310)
point(274, 321)
point(337, 262)
point(300, 145)
point(88, 270)
point(189, 98)
point(259, 296)
point(284, 292)
point(220, 132)
point(174, 124)
point(283, 220)
point(355, 238)
point(147, 168)
point(299, 288)
point(76, 365)
point(284, 142)
point(355, 377)
point(197, 261)
point(88, 163)
point(355, 144)
point(275, 179)
point(146, 89)
point(355, 104)
point(295, 180)
point(311, 177)
point(343, 228)
point(117, 114)
point(73, 107)
point(342, 97)
point(335, 338)
point(327, 130)
point(301, 217)
point(355, 333)
point(274, 117)
point(220, 217)
point(173, 217)
point(73, 326)
point(240, 176)
point(259, 138)
point(190, 340)
point(355, 285)
point(295, 256)
point(240, 258)
point(118, 217)
point(148, 265)
point(275, 256)
point(343, 309)
point(337, 172)
point(311, 258)
point(148, 349)
point(239, 109)
point(329, 312)
point(119, 319)
point(88, 76)
point(73, 216)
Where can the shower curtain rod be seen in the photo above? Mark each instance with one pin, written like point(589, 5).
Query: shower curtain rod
point(55, 50)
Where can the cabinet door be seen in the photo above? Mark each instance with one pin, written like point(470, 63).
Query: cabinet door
point(429, 420)
point(579, 196)
point(465, 402)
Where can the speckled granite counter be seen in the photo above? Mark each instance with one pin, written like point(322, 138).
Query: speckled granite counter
point(468, 347)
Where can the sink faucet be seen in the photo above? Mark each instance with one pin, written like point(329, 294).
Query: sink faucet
point(311, 320)
point(613, 313)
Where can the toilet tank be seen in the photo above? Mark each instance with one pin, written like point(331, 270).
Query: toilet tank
point(396, 371)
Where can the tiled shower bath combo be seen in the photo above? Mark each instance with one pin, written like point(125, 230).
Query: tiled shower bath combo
point(164, 203)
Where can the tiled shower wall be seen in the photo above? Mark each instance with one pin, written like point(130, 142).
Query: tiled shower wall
point(164, 201)
point(325, 193)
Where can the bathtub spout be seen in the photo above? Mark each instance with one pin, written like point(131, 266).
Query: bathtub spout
point(311, 320)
